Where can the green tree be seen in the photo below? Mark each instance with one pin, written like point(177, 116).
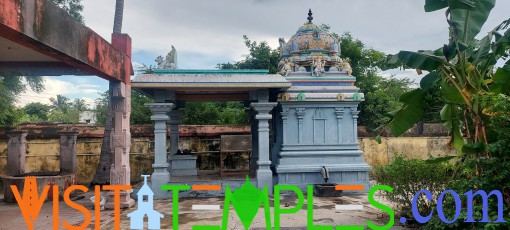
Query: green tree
point(215, 113)
point(139, 113)
point(61, 103)
point(261, 56)
point(101, 108)
point(201, 113)
point(233, 113)
point(10, 89)
point(71, 115)
point(37, 110)
point(383, 99)
point(80, 104)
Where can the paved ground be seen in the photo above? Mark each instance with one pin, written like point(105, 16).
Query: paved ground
point(324, 214)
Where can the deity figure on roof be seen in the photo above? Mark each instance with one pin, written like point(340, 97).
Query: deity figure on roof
point(286, 68)
point(318, 65)
point(170, 62)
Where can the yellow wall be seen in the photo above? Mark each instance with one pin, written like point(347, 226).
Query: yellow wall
point(43, 154)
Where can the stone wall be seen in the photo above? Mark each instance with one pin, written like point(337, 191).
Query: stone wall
point(43, 147)
point(413, 147)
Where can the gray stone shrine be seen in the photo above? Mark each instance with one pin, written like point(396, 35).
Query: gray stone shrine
point(311, 107)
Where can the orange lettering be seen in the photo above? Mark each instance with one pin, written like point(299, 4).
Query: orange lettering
point(30, 204)
point(116, 201)
point(55, 207)
point(97, 207)
point(76, 206)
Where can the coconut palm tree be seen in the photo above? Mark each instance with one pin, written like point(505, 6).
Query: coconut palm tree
point(102, 175)
point(119, 12)
point(60, 103)
point(80, 104)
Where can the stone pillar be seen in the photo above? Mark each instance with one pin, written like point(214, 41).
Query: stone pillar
point(175, 120)
point(285, 114)
point(264, 174)
point(300, 112)
point(160, 176)
point(339, 116)
point(16, 153)
point(355, 114)
point(254, 141)
point(68, 153)
point(120, 172)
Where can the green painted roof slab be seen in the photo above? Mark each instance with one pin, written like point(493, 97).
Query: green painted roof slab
point(212, 72)
point(322, 78)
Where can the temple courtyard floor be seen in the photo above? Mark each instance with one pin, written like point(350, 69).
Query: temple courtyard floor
point(324, 214)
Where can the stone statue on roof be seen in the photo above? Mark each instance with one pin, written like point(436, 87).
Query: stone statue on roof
point(170, 62)
point(346, 66)
point(318, 65)
point(286, 67)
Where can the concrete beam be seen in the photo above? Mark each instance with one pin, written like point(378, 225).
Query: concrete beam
point(43, 27)
point(38, 69)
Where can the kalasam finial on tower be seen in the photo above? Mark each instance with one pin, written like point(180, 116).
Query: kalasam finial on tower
point(310, 18)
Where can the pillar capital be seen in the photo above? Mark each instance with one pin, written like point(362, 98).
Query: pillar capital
point(17, 134)
point(355, 113)
point(263, 108)
point(160, 108)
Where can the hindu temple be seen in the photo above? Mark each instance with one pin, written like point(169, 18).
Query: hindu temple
point(304, 119)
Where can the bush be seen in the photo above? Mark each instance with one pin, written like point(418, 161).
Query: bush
point(408, 176)
point(487, 172)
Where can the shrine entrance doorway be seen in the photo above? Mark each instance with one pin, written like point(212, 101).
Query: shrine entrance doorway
point(171, 89)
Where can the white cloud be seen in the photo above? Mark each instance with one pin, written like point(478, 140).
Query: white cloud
point(214, 29)
point(209, 32)
point(410, 74)
point(55, 86)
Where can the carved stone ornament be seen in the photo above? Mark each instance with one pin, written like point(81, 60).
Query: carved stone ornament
point(170, 62)
point(119, 140)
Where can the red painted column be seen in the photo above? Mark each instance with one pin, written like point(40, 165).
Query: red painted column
point(120, 172)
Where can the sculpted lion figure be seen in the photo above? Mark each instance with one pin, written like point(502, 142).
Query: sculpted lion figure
point(346, 67)
point(160, 61)
point(169, 62)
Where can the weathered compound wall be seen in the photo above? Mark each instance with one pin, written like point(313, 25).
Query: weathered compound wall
point(43, 147)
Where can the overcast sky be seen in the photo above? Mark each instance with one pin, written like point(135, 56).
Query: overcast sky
point(207, 32)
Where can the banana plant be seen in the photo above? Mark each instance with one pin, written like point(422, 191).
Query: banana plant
point(465, 68)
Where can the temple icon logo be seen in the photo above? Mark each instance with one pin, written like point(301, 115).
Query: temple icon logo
point(145, 208)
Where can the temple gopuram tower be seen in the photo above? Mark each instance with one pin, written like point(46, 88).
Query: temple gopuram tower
point(315, 122)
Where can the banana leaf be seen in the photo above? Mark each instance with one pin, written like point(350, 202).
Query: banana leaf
point(429, 80)
point(450, 114)
point(468, 23)
point(420, 60)
point(502, 80)
point(433, 5)
point(411, 112)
